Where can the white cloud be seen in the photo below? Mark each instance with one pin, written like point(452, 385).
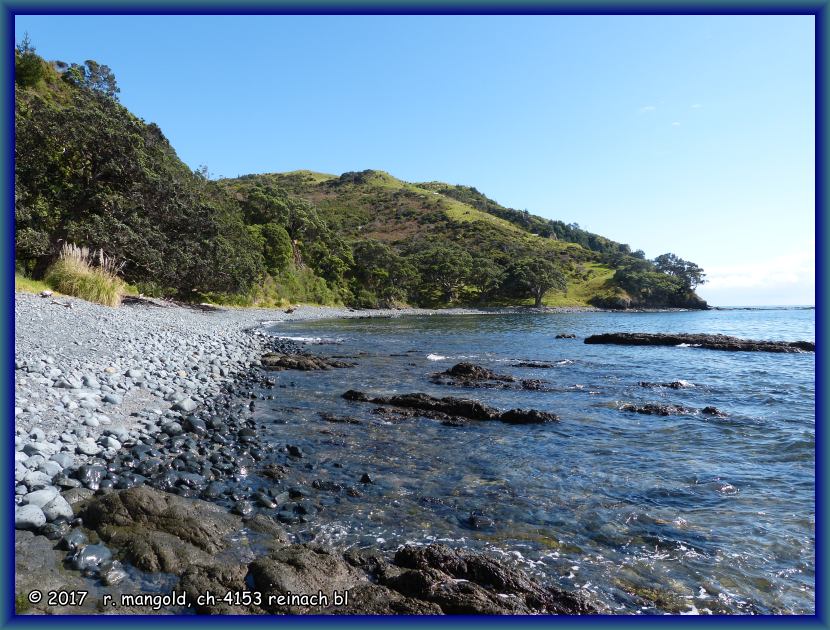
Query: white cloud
point(797, 267)
point(647, 108)
point(675, 124)
point(697, 106)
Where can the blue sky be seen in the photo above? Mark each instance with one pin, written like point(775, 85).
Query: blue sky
point(693, 135)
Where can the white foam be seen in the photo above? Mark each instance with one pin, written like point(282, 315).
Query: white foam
point(436, 357)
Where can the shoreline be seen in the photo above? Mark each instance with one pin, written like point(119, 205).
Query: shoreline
point(92, 419)
point(91, 382)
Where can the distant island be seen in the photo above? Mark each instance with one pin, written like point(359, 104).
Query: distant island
point(91, 174)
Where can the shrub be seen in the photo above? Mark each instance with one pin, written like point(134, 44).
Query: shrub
point(87, 275)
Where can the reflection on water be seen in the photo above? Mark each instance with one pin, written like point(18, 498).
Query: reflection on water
point(686, 513)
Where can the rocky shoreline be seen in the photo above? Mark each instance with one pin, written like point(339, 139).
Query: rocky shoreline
point(128, 420)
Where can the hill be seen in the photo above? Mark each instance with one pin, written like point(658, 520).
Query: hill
point(487, 242)
point(89, 172)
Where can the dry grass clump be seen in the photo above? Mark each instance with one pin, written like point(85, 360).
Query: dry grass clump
point(89, 275)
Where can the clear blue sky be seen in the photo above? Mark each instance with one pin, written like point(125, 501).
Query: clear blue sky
point(686, 134)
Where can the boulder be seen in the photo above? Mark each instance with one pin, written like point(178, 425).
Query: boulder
point(29, 517)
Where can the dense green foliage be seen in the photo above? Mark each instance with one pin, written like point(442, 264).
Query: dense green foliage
point(535, 276)
point(91, 173)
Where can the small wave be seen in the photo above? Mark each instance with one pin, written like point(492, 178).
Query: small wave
point(457, 357)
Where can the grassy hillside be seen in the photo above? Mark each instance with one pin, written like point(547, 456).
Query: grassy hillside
point(89, 172)
point(375, 205)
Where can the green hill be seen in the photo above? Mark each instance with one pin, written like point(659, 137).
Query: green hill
point(91, 173)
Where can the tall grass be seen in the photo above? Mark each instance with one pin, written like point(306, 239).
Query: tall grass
point(89, 275)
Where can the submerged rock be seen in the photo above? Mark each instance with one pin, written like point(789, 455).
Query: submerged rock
point(330, 417)
point(654, 409)
point(305, 362)
point(671, 385)
point(538, 365)
point(710, 342)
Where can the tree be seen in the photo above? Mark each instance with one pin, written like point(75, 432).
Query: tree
point(443, 267)
point(487, 277)
point(689, 273)
point(28, 66)
point(275, 244)
point(535, 277)
point(94, 76)
point(381, 277)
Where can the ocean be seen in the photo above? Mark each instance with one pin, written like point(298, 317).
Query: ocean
point(687, 513)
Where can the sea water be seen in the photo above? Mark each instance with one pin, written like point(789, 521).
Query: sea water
point(687, 513)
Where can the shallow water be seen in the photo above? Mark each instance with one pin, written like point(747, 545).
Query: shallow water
point(685, 513)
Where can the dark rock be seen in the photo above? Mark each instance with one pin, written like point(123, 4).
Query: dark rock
point(194, 425)
point(243, 508)
point(274, 471)
point(711, 342)
point(55, 531)
point(527, 416)
point(534, 384)
point(263, 500)
point(294, 451)
point(538, 365)
point(327, 486)
point(90, 476)
point(565, 336)
point(452, 411)
point(478, 521)
point(471, 583)
point(305, 362)
point(198, 523)
point(72, 540)
point(88, 558)
point(330, 417)
point(366, 478)
point(713, 411)
point(449, 405)
point(656, 409)
point(219, 580)
point(471, 375)
point(295, 493)
point(471, 371)
point(302, 569)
